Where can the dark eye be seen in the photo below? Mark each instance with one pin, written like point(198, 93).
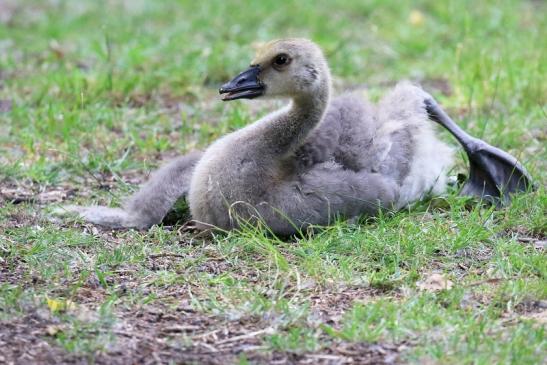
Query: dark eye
point(281, 60)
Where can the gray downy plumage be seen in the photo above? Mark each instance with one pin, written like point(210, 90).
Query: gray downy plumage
point(306, 164)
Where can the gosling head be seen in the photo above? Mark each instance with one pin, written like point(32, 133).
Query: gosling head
point(290, 68)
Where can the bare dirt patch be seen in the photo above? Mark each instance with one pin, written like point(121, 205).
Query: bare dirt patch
point(23, 341)
point(157, 334)
point(27, 191)
point(330, 305)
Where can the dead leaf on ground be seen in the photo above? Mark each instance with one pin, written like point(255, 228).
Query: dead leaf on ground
point(434, 282)
point(56, 49)
point(58, 305)
point(53, 329)
point(416, 18)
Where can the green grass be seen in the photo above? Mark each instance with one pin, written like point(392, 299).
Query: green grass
point(102, 91)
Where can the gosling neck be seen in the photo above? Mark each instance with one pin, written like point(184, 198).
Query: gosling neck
point(288, 130)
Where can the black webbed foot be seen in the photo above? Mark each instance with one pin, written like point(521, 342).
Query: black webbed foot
point(493, 174)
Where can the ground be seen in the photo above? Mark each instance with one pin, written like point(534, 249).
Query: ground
point(95, 94)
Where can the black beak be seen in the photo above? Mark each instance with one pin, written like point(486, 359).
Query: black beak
point(246, 85)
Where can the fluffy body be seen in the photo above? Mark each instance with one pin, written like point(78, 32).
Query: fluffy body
point(306, 164)
point(360, 158)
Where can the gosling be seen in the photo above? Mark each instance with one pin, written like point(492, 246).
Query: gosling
point(304, 165)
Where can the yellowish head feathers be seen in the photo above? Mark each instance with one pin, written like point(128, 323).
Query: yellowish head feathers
point(264, 52)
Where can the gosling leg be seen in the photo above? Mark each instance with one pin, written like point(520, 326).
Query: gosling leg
point(493, 173)
point(150, 204)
